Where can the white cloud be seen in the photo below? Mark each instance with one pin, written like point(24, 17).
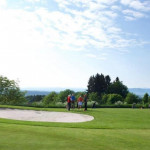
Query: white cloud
point(126, 2)
point(115, 7)
point(74, 31)
point(133, 14)
point(145, 6)
point(136, 4)
point(34, 40)
point(129, 18)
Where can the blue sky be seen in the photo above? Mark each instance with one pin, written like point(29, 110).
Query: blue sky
point(61, 43)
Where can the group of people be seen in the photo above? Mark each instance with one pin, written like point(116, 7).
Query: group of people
point(71, 102)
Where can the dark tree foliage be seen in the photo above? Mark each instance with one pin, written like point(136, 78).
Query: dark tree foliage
point(117, 87)
point(117, 79)
point(98, 84)
point(101, 84)
point(107, 80)
point(34, 98)
point(91, 85)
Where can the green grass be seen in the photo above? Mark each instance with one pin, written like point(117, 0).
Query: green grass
point(112, 129)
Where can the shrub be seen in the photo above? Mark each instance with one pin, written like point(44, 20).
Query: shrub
point(132, 98)
point(50, 98)
point(112, 98)
point(94, 97)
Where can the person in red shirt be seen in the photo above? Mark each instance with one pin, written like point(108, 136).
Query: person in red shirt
point(68, 102)
point(80, 101)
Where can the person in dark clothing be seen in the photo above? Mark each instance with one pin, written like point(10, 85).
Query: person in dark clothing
point(94, 105)
point(85, 102)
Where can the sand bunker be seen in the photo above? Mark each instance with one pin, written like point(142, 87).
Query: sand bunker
point(44, 116)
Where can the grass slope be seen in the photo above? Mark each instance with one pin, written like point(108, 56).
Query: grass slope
point(112, 129)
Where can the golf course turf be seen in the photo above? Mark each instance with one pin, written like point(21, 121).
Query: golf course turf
point(111, 129)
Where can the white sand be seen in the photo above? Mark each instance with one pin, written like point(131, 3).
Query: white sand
point(45, 116)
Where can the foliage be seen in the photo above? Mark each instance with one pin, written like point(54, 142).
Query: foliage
point(94, 97)
point(113, 98)
point(10, 92)
point(34, 98)
point(50, 98)
point(132, 98)
point(102, 85)
point(117, 87)
point(145, 98)
point(78, 94)
point(104, 99)
point(98, 84)
point(118, 103)
point(62, 96)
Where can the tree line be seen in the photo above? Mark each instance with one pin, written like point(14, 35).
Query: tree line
point(100, 89)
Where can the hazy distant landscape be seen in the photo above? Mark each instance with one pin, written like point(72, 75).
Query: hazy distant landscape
point(46, 91)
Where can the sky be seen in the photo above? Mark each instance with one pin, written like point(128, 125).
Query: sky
point(61, 43)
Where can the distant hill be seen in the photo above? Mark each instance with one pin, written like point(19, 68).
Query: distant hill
point(140, 91)
point(46, 91)
point(28, 93)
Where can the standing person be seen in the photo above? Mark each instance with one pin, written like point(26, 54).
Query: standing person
point(68, 102)
point(72, 101)
point(80, 100)
point(94, 105)
point(85, 102)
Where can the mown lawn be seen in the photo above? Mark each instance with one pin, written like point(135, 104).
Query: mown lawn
point(112, 129)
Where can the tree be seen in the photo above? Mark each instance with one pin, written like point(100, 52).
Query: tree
point(10, 92)
point(78, 94)
point(112, 98)
point(107, 81)
point(145, 98)
point(50, 98)
point(91, 84)
point(94, 97)
point(117, 79)
point(149, 99)
point(99, 84)
point(104, 99)
point(34, 98)
point(132, 98)
point(117, 87)
point(62, 96)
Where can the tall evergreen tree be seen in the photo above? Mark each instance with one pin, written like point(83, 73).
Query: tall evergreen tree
point(108, 82)
point(98, 84)
point(91, 84)
point(117, 87)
